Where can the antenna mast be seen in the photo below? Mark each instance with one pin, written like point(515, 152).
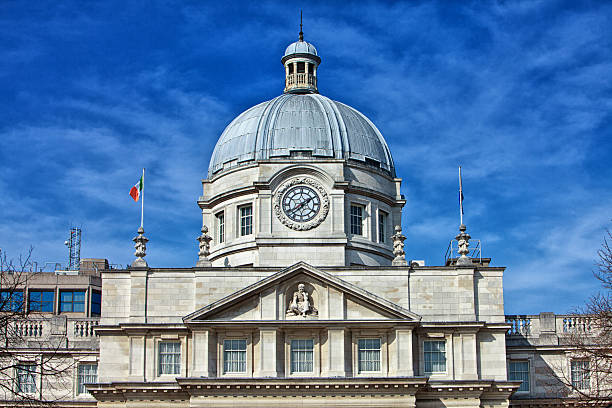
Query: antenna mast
point(74, 249)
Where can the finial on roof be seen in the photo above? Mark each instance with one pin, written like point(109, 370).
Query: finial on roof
point(301, 33)
point(140, 244)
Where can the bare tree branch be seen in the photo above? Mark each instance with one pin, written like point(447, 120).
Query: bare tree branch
point(27, 359)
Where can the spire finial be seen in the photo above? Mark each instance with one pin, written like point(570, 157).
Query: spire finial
point(301, 33)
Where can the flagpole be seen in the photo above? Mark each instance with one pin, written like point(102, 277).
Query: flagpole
point(142, 200)
point(460, 198)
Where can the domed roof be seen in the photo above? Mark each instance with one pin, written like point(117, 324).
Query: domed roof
point(301, 47)
point(300, 122)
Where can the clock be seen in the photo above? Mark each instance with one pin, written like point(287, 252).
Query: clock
point(301, 203)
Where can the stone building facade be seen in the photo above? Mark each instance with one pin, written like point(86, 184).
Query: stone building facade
point(302, 293)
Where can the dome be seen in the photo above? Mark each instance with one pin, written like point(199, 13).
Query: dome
point(305, 123)
point(301, 47)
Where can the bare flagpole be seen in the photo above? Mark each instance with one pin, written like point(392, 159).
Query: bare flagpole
point(142, 201)
point(460, 198)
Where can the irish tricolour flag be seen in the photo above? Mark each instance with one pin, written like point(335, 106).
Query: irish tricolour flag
point(137, 189)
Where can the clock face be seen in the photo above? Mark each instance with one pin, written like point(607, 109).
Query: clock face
point(301, 203)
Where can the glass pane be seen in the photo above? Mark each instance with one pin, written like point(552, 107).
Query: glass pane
point(78, 307)
point(368, 354)
point(66, 296)
point(79, 296)
point(519, 371)
point(302, 355)
point(35, 296)
point(434, 353)
point(48, 296)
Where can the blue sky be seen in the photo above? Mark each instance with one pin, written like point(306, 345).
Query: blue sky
point(517, 92)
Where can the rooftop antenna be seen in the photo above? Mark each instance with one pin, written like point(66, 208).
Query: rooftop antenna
point(74, 249)
point(301, 33)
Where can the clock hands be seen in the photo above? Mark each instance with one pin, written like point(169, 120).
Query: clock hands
point(300, 205)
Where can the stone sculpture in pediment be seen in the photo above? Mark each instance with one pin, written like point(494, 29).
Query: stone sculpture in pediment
point(301, 303)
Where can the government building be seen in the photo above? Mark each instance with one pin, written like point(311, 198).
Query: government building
point(301, 293)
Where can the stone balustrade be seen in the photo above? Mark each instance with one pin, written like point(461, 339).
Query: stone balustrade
point(82, 327)
point(520, 325)
point(546, 328)
point(29, 328)
point(42, 328)
point(301, 80)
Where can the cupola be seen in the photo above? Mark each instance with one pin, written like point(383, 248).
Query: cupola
point(301, 62)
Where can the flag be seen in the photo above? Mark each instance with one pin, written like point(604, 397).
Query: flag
point(137, 189)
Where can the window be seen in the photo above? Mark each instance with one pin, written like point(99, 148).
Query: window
point(41, 300)
point(234, 356)
point(356, 219)
point(519, 371)
point(290, 69)
point(169, 357)
point(26, 378)
point(581, 376)
point(310, 68)
point(220, 227)
point(301, 67)
point(11, 300)
point(246, 220)
point(302, 356)
point(72, 301)
point(87, 374)
point(382, 227)
point(96, 303)
point(434, 353)
point(368, 355)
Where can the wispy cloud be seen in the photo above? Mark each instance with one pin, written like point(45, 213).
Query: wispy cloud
point(516, 92)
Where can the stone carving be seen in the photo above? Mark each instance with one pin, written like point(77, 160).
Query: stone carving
point(204, 240)
point(301, 226)
point(463, 242)
point(398, 247)
point(301, 303)
point(140, 244)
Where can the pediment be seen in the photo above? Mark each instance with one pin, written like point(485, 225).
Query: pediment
point(280, 298)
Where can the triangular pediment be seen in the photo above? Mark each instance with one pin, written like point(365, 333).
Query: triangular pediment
point(276, 297)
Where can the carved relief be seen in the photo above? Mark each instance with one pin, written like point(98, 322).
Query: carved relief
point(300, 304)
point(323, 207)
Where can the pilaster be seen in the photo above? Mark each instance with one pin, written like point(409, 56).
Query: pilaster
point(138, 295)
point(268, 355)
point(336, 366)
point(400, 354)
point(203, 354)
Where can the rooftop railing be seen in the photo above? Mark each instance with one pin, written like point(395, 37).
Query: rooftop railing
point(301, 80)
point(546, 325)
point(41, 328)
